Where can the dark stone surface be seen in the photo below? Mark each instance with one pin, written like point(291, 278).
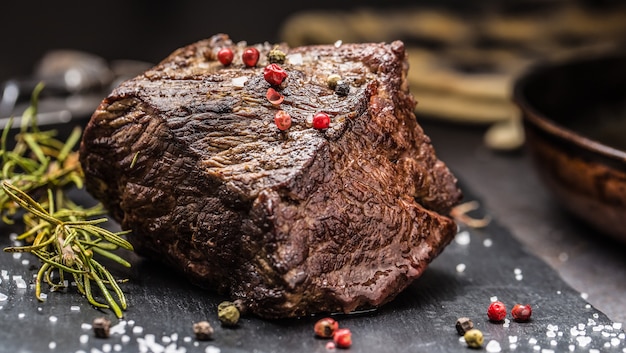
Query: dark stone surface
point(422, 318)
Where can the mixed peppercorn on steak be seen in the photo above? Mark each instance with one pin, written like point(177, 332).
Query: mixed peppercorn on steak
point(303, 219)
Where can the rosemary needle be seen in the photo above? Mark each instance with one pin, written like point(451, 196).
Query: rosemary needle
point(63, 235)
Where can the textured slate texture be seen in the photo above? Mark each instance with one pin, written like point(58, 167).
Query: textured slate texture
point(422, 318)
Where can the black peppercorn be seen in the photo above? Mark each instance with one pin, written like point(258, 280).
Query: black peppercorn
point(101, 327)
point(464, 324)
point(342, 88)
point(203, 331)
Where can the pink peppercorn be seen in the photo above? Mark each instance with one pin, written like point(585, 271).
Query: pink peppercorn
point(250, 57)
point(274, 96)
point(326, 327)
point(282, 120)
point(496, 311)
point(321, 121)
point(274, 74)
point(225, 56)
point(521, 312)
point(343, 338)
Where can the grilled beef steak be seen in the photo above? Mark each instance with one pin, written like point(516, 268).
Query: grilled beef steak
point(188, 157)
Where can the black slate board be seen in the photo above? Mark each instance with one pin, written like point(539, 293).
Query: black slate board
point(163, 307)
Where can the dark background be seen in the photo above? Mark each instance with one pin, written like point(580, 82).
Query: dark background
point(148, 30)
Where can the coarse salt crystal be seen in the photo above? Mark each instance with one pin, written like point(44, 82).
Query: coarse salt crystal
point(117, 347)
point(20, 283)
point(187, 339)
point(536, 347)
point(581, 326)
point(553, 342)
point(597, 328)
point(512, 346)
point(583, 340)
point(558, 292)
point(25, 262)
point(75, 308)
point(487, 243)
point(239, 82)
point(17, 255)
point(85, 326)
point(571, 347)
point(617, 325)
point(517, 271)
point(584, 295)
point(52, 345)
point(130, 322)
point(21, 315)
point(462, 238)
point(588, 306)
point(53, 318)
point(125, 338)
point(338, 43)
point(512, 339)
point(621, 336)
point(166, 339)
point(546, 350)
point(460, 268)
point(595, 315)
point(107, 347)
point(137, 330)
point(532, 341)
point(83, 339)
point(614, 341)
point(295, 59)
point(43, 296)
point(519, 277)
point(493, 346)
point(212, 349)
point(3, 297)
point(553, 327)
point(120, 328)
point(494, 299)
point(551, 334)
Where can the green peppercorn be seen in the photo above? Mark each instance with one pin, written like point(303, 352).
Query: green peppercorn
point(276, 56)
point(332, 80)
point(228, 314)
point(474, 338)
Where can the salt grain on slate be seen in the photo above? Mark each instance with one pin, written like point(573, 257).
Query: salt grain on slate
point(460, 268)
point(462, 238)
point(487, 243)
point(83, 339)
point(493, 347)
point(3, 297)
point(212, 349)
point(52, 345)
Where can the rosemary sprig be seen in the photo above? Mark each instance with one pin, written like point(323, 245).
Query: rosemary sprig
point(64, 236)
